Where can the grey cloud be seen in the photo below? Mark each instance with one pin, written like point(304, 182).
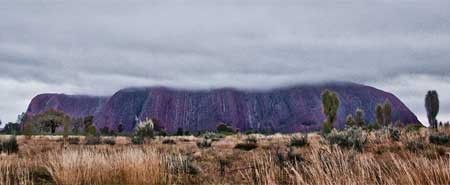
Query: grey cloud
point(99, 46)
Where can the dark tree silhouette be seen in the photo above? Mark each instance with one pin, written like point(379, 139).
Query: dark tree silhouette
point(432, 106)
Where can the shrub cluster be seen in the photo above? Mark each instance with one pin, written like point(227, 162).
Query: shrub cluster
point(212, 136)
point(394, 134)
point(73, 140)
point(177, 164)
point(299, 141)
point(9, 145)
point(109, 141)
point(169, 142)
point(137, 140)
point(249, 143)
point(352, 137)
point(415, 146)
point(204, 143)
point(439, 139)
point(93, 140)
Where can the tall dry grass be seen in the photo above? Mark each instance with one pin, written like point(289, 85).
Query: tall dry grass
point(333, 166)
point(381, 161)
point(15, 171)
point(87, 166)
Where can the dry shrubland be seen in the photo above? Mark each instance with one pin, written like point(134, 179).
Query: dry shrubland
point(273, 159)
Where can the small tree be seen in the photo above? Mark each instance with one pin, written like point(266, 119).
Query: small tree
point(387, 112)
point(330, 105)
point(143, 130)
point(432, 106)
point(379, 114)
point(120, 128)
point(50, 120)
point(88, 121)
point(28, 130)
point(66, 131)
point(76, 125)
point(359, 117)
point(91, 130)
point(12, 128)
point(350, 122)
point(179, 132)
point(105, 130)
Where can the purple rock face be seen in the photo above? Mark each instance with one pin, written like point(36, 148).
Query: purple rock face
point(290, 109)
point(75, 106)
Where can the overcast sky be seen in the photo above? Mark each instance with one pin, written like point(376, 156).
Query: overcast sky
point(99, 46)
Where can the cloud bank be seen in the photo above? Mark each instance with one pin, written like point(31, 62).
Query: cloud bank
point(100, 46)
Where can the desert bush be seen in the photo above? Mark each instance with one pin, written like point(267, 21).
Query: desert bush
point(352, 137)
point(145, 129)
point(224, 163)
point(178, 164)
point(350, 121)
point(249, 143)
point(204, 143)
point(73, 140)
point(93, 140)
point(213, 136)
point(394, 134)
point(439, 139)
point(299, 141)
point(415, 146)
point(109, 140)
point(295, 157)
point(169, 142)
point(137, 140)
point(9, 145)
point(225, 129)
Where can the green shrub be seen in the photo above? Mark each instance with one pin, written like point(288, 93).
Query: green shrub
point(394, 134)
point(249, 143)
point(93, 140)
point(177, 164)
point(169, 142)
point(109, 141)
point(225, 129)
point(9, 145)
point(91, 130)
point(354, 138)
point(73, 140)
point(137, 140)
point(439, 139)
point(213, 136)
point(299, 141)
point(295, 157)
point(415, 146)
point(204, 143)
point(327, 128)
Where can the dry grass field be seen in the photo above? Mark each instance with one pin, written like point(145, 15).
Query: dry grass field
point(185, 160)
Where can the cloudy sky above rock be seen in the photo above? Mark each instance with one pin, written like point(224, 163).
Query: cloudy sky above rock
point(99, 46)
